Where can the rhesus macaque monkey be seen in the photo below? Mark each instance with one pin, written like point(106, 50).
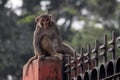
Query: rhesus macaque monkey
point(47, 40)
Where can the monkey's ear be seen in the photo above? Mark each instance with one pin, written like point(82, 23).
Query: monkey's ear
point(37, 19)
point(50, 17)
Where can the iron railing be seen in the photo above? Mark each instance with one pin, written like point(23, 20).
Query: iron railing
point(88, 65)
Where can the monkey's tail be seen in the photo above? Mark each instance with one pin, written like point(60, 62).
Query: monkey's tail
point(28, 64)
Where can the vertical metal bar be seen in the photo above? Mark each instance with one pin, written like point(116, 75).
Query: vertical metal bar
point(82, 59)
point(113, 43)
point(105, 48)
point(75, 64)
point(69, 68)
point(89, 56)
point(115, 77)
point(63, 69)
point(96, 52)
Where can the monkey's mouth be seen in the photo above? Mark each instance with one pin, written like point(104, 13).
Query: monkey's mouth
point(45, 26)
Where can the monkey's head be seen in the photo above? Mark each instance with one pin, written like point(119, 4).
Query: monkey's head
point(43, 20)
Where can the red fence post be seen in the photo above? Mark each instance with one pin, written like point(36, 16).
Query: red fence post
point(47, 69)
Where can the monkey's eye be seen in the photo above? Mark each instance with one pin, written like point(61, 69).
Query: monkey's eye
point(43, 20)
point(47, 19)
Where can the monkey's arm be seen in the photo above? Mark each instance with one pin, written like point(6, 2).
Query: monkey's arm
point(36, 44)
point(37, 50)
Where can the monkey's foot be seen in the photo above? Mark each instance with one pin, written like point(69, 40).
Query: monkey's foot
point(58, 56)
point(42, 57)
point(54, 57)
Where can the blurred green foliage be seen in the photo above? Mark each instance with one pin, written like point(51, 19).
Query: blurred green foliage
point(16, 31)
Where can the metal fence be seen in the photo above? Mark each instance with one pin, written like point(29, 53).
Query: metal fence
point(85, 67)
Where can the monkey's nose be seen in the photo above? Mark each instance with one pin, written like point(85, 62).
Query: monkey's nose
point(45, 22)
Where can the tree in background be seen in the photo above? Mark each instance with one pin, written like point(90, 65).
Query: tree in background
point(95, 18)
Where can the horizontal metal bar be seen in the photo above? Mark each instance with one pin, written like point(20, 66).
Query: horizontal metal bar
point(101, 54)
point(118, 45)
point(118, 38)
point(112, 76)
point(73, 68)
point(68, 70)
point(67, 65)
point(102, 47)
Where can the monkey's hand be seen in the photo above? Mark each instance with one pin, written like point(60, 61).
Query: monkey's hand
point(42, 57)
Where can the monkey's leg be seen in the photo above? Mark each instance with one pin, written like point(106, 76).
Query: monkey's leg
point(68, 49)
point(47, 45)
point(28, 63)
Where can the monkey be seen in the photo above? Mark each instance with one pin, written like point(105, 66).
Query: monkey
point(47, 40)
point(46, 27)
point(50, 28)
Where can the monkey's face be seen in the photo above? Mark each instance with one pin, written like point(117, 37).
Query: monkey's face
point(44, 21)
